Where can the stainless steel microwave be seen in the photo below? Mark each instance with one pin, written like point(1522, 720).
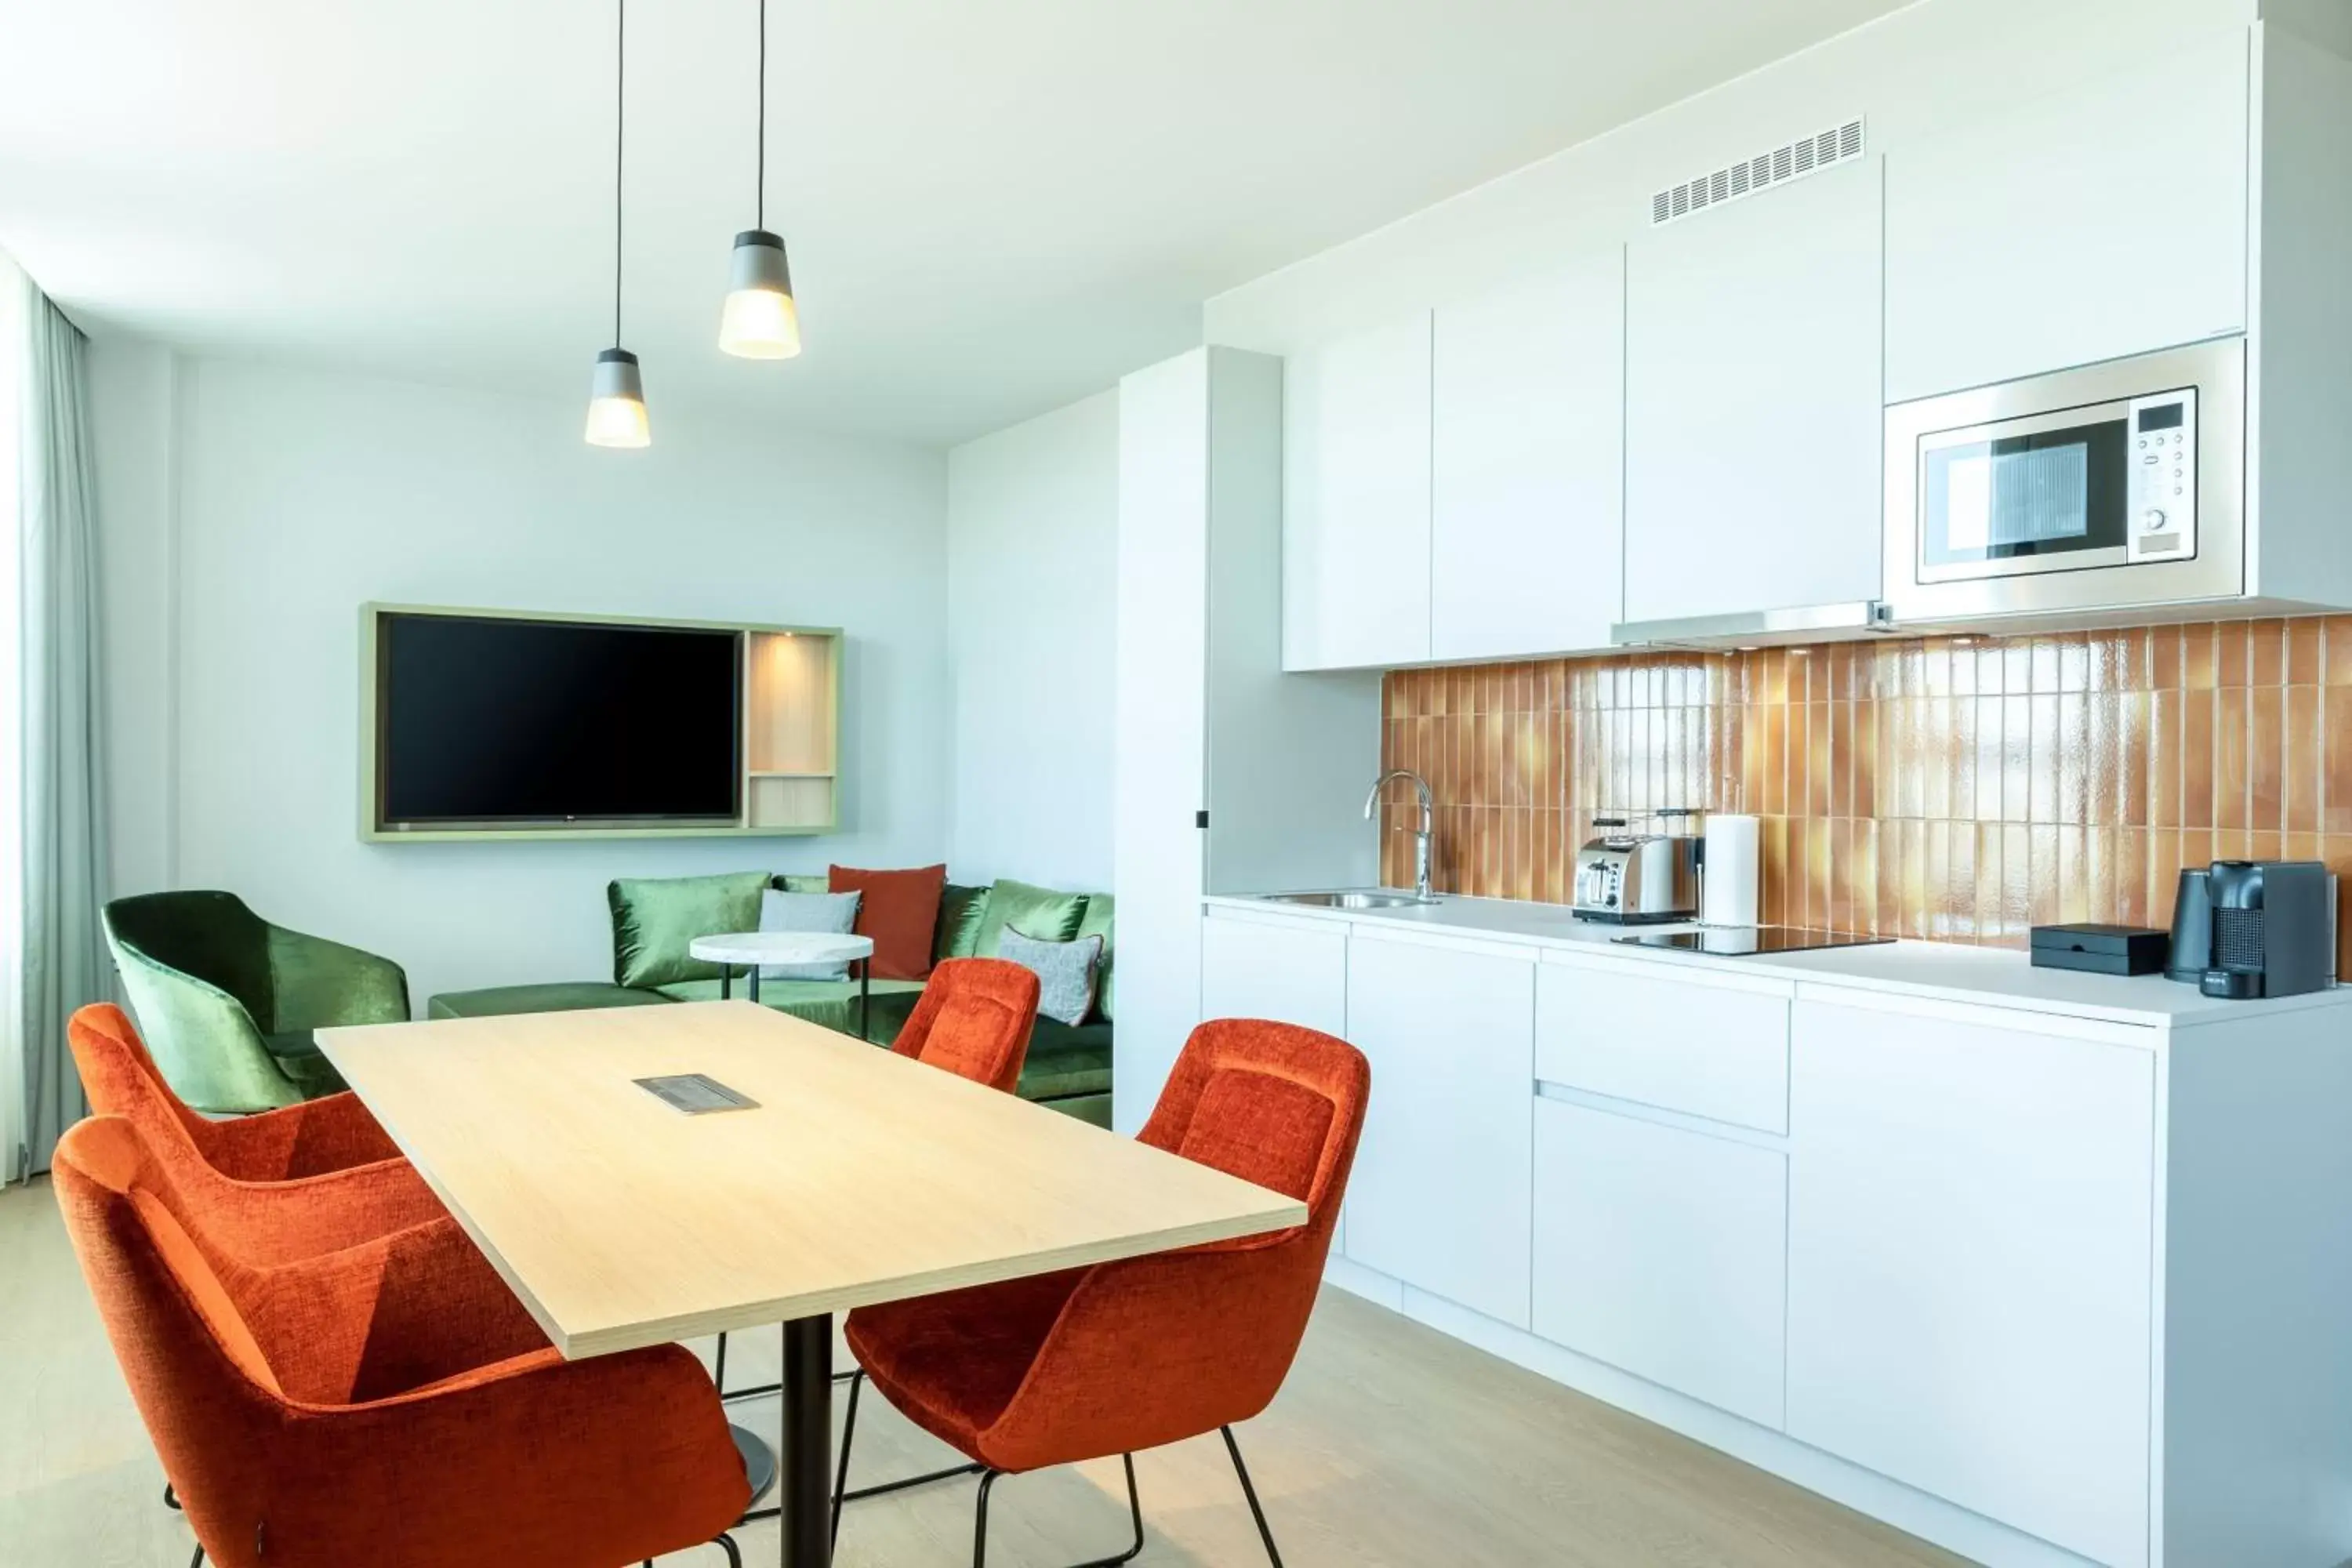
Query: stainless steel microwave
point(2113, 486)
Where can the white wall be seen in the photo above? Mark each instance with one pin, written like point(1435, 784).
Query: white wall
point(248, 511)
point(1033, 521)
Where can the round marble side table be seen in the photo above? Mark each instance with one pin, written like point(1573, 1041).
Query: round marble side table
point(751, 950)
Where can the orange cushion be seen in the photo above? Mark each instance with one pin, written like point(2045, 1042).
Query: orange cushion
point(900, 910)
point(1261, 1128)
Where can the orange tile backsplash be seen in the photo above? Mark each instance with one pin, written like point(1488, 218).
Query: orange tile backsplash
point(1960, 789)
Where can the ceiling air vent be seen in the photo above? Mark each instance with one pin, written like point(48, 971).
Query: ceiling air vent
point(1805, 155)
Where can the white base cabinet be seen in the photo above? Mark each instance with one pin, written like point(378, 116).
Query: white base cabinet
point(1661, 1251)
point(1291, 972)
point(1441, 1191)
point(1970, 1265)
point(2047, 1287)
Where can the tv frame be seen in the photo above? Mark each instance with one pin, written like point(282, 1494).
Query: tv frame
point(375, 829)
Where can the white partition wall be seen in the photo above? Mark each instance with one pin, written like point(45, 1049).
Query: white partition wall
point(1231, 776)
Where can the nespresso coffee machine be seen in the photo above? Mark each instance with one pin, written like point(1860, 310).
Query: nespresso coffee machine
point(2243, 928)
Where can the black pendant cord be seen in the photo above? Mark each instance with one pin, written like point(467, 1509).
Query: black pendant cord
point(620, 138)
point(760, 195)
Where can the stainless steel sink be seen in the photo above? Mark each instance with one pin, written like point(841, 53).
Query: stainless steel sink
point(1350, 901)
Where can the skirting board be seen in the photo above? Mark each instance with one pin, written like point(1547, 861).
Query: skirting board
point(1865, 1491)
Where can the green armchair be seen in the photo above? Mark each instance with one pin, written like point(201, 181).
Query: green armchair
point(227, 1001)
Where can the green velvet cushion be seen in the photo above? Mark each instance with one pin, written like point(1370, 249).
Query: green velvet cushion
point(961, 912)
point(654, 919)
point(557, 996)
point(1096, 921)
point(1042, 915)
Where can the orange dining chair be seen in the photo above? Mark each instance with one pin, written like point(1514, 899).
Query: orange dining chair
point(309, 1138)
point(283, 1184)
point(388, 1406)
point(1129, 1355)
point(315, 1176)
point(973, 1019)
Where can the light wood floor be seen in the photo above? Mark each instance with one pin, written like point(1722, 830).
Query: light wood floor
point(1391, 1445)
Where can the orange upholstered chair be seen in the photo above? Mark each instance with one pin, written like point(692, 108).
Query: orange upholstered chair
point(390, 1405)
point(973, 1019)
point(283, 1184)
point(1129, 1355)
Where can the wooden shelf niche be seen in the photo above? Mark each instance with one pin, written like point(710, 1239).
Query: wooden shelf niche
point(792, 731)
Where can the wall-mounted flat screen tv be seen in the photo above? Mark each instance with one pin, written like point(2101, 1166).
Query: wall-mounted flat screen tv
point(493, 721)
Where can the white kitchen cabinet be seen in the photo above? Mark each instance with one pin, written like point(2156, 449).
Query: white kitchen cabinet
point(2106, 220)
point(1355, 499)
point(1291, 972)
point(1971, 1210)
point(1711, 1046)
point(1753, 410)
point(1527, 472)
point(1662, 1251)
point(1439, 1198)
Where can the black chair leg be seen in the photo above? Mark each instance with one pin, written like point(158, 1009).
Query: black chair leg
point(841, 1492)
point(726, 1544)
point(840, 1470)
point(198, 1560)
point(980, 1524)
point(719, 1373)
point(988, 1478)
point(1250, 1492)
point(170, 1498)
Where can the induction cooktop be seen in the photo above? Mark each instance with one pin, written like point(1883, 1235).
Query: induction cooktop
point(1747, 942)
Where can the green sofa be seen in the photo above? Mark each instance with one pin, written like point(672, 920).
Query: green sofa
point(1068, 1068)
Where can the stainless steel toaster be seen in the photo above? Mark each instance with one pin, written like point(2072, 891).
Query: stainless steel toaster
point(1637, 878)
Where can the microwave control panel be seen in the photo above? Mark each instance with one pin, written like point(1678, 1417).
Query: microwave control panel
point(2162, 445)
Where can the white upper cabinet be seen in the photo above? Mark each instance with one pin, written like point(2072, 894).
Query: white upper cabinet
point(1528, 483)
point(1355, 498)
point(2104, 221)
point(1753, 415)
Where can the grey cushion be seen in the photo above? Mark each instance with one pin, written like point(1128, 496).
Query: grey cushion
point(1064, 970)
point(832, 913)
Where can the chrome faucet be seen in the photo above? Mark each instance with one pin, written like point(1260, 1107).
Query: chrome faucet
point(1420, 840)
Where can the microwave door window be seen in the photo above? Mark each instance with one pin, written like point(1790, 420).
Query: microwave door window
point(2052, 493)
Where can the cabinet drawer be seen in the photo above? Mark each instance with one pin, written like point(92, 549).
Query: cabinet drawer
point(1702, 1049)
point(1663, 1251)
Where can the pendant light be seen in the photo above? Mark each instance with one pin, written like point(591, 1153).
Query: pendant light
point(617, 391)
point(761, 321)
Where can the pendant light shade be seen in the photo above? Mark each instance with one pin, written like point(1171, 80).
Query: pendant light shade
point(616, 390)
point(616, 401)
point(761, 320)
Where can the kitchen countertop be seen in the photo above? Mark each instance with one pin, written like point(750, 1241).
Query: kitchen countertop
point(1951, 972)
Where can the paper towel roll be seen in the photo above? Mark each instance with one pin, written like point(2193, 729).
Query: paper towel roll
point(1727, 885)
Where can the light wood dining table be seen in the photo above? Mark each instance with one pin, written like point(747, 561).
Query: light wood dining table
point(856, 1177)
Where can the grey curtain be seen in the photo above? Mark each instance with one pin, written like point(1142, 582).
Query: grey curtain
point(62, 749)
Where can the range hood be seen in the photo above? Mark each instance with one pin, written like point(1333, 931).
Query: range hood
point(1762, 628)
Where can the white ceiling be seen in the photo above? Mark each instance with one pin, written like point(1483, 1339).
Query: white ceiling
point(992, 207)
